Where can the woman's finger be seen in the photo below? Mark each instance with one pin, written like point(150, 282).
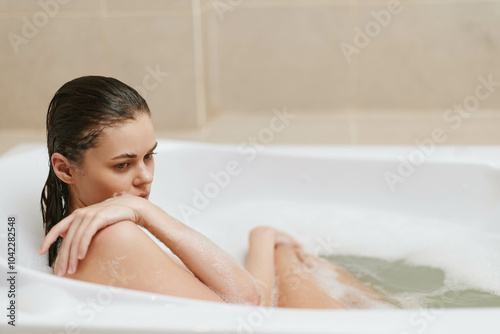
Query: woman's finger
point(79, 228)
point(76, 240)
point(87, 236)
point(60, 229)
point(65, 249)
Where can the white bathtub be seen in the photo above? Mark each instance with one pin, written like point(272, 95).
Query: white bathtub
point(287, 187)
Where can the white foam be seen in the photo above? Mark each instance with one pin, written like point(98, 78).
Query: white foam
point(466, 255)
point(347, 295)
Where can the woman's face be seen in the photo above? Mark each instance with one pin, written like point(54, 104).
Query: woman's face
point(122, 162)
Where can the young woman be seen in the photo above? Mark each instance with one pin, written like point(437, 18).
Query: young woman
point(101, 142)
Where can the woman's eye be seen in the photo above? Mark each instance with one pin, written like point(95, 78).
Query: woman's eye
point(121, 166)
point(149, 156)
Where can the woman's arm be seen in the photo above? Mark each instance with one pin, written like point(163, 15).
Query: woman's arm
point(210, 264)
point(122, 255)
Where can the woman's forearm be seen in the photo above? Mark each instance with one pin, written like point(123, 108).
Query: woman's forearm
point(212, 265)
point(260, 262)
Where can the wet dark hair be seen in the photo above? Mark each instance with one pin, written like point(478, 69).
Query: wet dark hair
point(77, 114)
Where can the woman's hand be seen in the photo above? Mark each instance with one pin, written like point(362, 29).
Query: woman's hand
point(79, 227)
point(281, 238)
point(284, 239)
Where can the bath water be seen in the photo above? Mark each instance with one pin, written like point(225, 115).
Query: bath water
point(411, 286)
point(415, 260)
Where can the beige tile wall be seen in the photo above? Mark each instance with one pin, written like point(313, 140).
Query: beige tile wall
point(427, 57)
point(289, 56)
point(128, 40)
point(226, 64)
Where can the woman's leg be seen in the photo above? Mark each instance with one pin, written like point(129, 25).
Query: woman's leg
point(305, 281)
point(296, 286)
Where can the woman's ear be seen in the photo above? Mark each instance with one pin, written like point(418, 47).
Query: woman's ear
point(62, 168)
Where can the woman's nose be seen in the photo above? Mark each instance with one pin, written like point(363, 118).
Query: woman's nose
point(144, 174)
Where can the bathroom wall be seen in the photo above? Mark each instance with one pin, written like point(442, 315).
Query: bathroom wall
point(147, 44)
point(362, 71)
point(423, 55)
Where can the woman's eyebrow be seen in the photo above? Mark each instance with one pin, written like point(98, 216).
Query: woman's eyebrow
point(125, 155)
point(154, 147)
point(132, 156)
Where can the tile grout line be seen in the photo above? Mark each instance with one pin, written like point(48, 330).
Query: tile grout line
point(201, 107)
point(213, 60)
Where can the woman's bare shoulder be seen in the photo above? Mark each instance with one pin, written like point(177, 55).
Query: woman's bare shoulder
point(123, 255)
point(119, 235)
point(112, 247)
